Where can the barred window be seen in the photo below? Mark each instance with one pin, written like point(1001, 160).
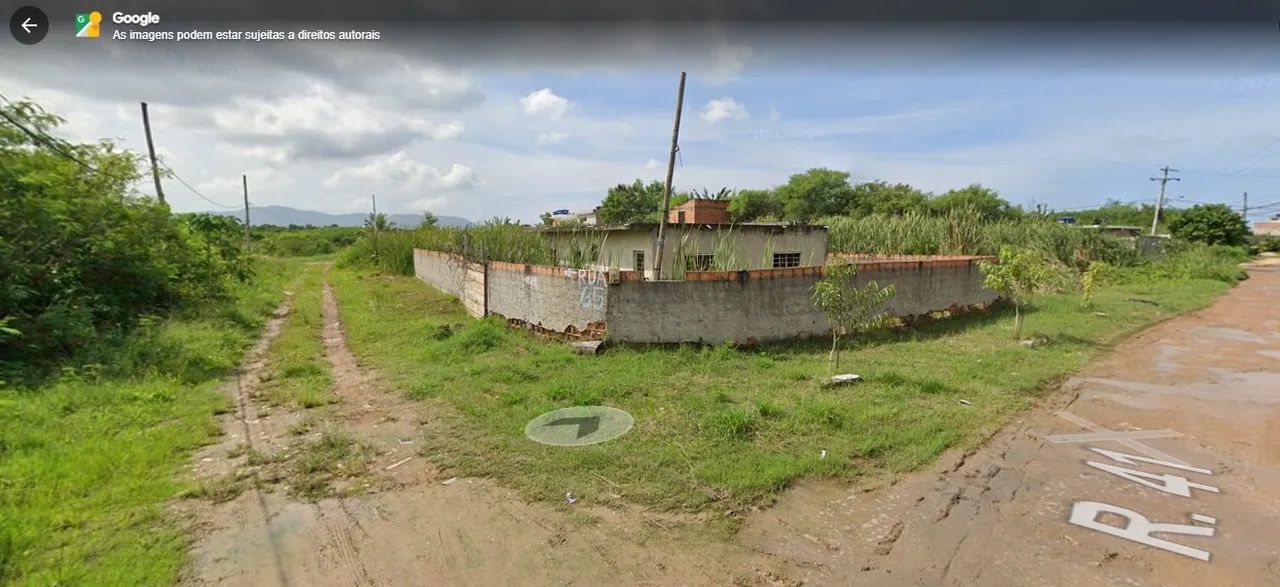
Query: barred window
point(786, 260)
point(699, 262)
point(638, 257)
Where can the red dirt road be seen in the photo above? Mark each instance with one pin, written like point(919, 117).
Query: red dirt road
point(1038, 505)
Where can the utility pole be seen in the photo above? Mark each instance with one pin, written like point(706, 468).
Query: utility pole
point(373, 223)
point(151, 148)
point(666, 193)
point(1244, 210)
point(1164, 180)
point(248, 241)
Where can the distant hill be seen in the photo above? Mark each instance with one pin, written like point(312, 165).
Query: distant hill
point(284, 216)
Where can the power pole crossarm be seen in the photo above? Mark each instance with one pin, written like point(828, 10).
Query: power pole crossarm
point(151, 149)
point(666, 193)
point(1164, 180)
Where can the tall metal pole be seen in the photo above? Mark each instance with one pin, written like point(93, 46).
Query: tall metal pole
point(666, 193)
point(373, 223)
point(248, 241)
point(151, 148)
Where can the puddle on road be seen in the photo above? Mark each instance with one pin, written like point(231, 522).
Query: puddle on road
point(1234, 334)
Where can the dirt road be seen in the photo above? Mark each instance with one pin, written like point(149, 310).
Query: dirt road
point(408, 526)
point(1159, 465)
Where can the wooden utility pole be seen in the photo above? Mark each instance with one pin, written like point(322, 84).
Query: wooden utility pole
point(666, 193)
point(373, 223)
point(151, 148)
point(248, 241)
point(1164, 180)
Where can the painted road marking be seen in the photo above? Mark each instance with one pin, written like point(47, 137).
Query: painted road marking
point(1138, 527)
point(1129, 442)
point(1117, 436)
point(1204, 519)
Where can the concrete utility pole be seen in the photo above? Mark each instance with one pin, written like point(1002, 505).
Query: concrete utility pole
point(373, 223)
point(248, 241)
point(666, 193)
point(1164, 180)
point(151, 148)
point(1244, 210)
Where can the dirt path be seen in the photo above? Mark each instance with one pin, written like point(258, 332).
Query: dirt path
point(406, 526)
point(1205, 388)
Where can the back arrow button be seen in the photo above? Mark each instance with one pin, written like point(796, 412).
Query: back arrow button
point(29, 25)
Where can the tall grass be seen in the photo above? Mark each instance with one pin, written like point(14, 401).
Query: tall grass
point(496, 240)
point(964, 233)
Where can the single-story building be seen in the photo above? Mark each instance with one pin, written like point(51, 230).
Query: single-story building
point(1269, 228)
point(689, 247)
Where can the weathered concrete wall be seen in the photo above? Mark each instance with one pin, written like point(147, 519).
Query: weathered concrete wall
point(446, 272)
point(550, 298)
point(715, 307)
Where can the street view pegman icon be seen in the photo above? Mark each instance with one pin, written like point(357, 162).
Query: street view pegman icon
point(29, 25)
point(88, 24)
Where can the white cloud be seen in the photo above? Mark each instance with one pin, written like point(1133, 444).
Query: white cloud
point(402, 172)
point(723, 109)
point(546, 103)
point(728, 60)
point(445, 132)
point(652, 164)
point(551, 138)
point(429, 204)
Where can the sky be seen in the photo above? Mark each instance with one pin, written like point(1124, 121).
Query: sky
point(512, 122)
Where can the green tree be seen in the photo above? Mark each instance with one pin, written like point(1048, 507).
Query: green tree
point(879, 197)
point(1212, 224)
point(988, 204)
point(636, 202)
point(429, 220)
point(815, 193)
point(378, 222)
point(849, 308)
point(545, 219)
point(80, 257)
point(751, 205)
point(1019, 275)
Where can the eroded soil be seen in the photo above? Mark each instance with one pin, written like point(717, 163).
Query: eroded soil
point(399, 523)
point(1208, 382)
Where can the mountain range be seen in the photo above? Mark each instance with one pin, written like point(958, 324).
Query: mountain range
point(284, 216)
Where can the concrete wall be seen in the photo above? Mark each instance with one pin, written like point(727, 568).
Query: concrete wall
point(716, 307)
point(549, 298)
point(444, 271)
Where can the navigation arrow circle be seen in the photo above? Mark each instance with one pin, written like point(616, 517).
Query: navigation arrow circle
point(579, 426)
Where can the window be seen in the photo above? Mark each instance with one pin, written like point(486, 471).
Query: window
point(699, 262)
point(638, 258)
point(786, 260)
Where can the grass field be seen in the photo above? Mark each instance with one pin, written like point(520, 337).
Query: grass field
point(298, 373)
point(88, 462)
point(720, 428)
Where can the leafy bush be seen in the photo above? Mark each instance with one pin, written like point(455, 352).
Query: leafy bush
point(1184, 260)
point(1211, 224)
point(306, 242)
point(80, 256)
point(1268, 243)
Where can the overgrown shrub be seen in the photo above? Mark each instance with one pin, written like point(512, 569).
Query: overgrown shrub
point(305, 242)
point(1183, 260)
point(495, 240)
point(80, 256)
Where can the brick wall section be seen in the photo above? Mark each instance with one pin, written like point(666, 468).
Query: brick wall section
point(547, 299)
point(737, 306)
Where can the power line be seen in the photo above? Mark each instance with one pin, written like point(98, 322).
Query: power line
point(44, 139)
point(193, 190)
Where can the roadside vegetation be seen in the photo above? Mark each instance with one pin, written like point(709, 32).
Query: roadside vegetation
point(720, 428)
point(303, 241)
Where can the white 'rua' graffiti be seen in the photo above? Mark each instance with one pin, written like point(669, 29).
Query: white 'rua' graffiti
point(593, 287)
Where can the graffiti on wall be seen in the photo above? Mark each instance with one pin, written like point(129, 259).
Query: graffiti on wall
point(592, 286)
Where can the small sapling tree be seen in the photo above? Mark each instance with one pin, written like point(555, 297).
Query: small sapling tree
point(1018, 276)
point(849, 308)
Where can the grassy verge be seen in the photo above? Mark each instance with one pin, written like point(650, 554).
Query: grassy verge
point(87, 461)
point(718, 427)
point(298, 373)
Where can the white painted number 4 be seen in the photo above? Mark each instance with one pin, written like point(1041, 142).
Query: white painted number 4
point(1163, 481)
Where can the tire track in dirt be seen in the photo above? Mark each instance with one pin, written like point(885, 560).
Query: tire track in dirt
point(409, 529)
